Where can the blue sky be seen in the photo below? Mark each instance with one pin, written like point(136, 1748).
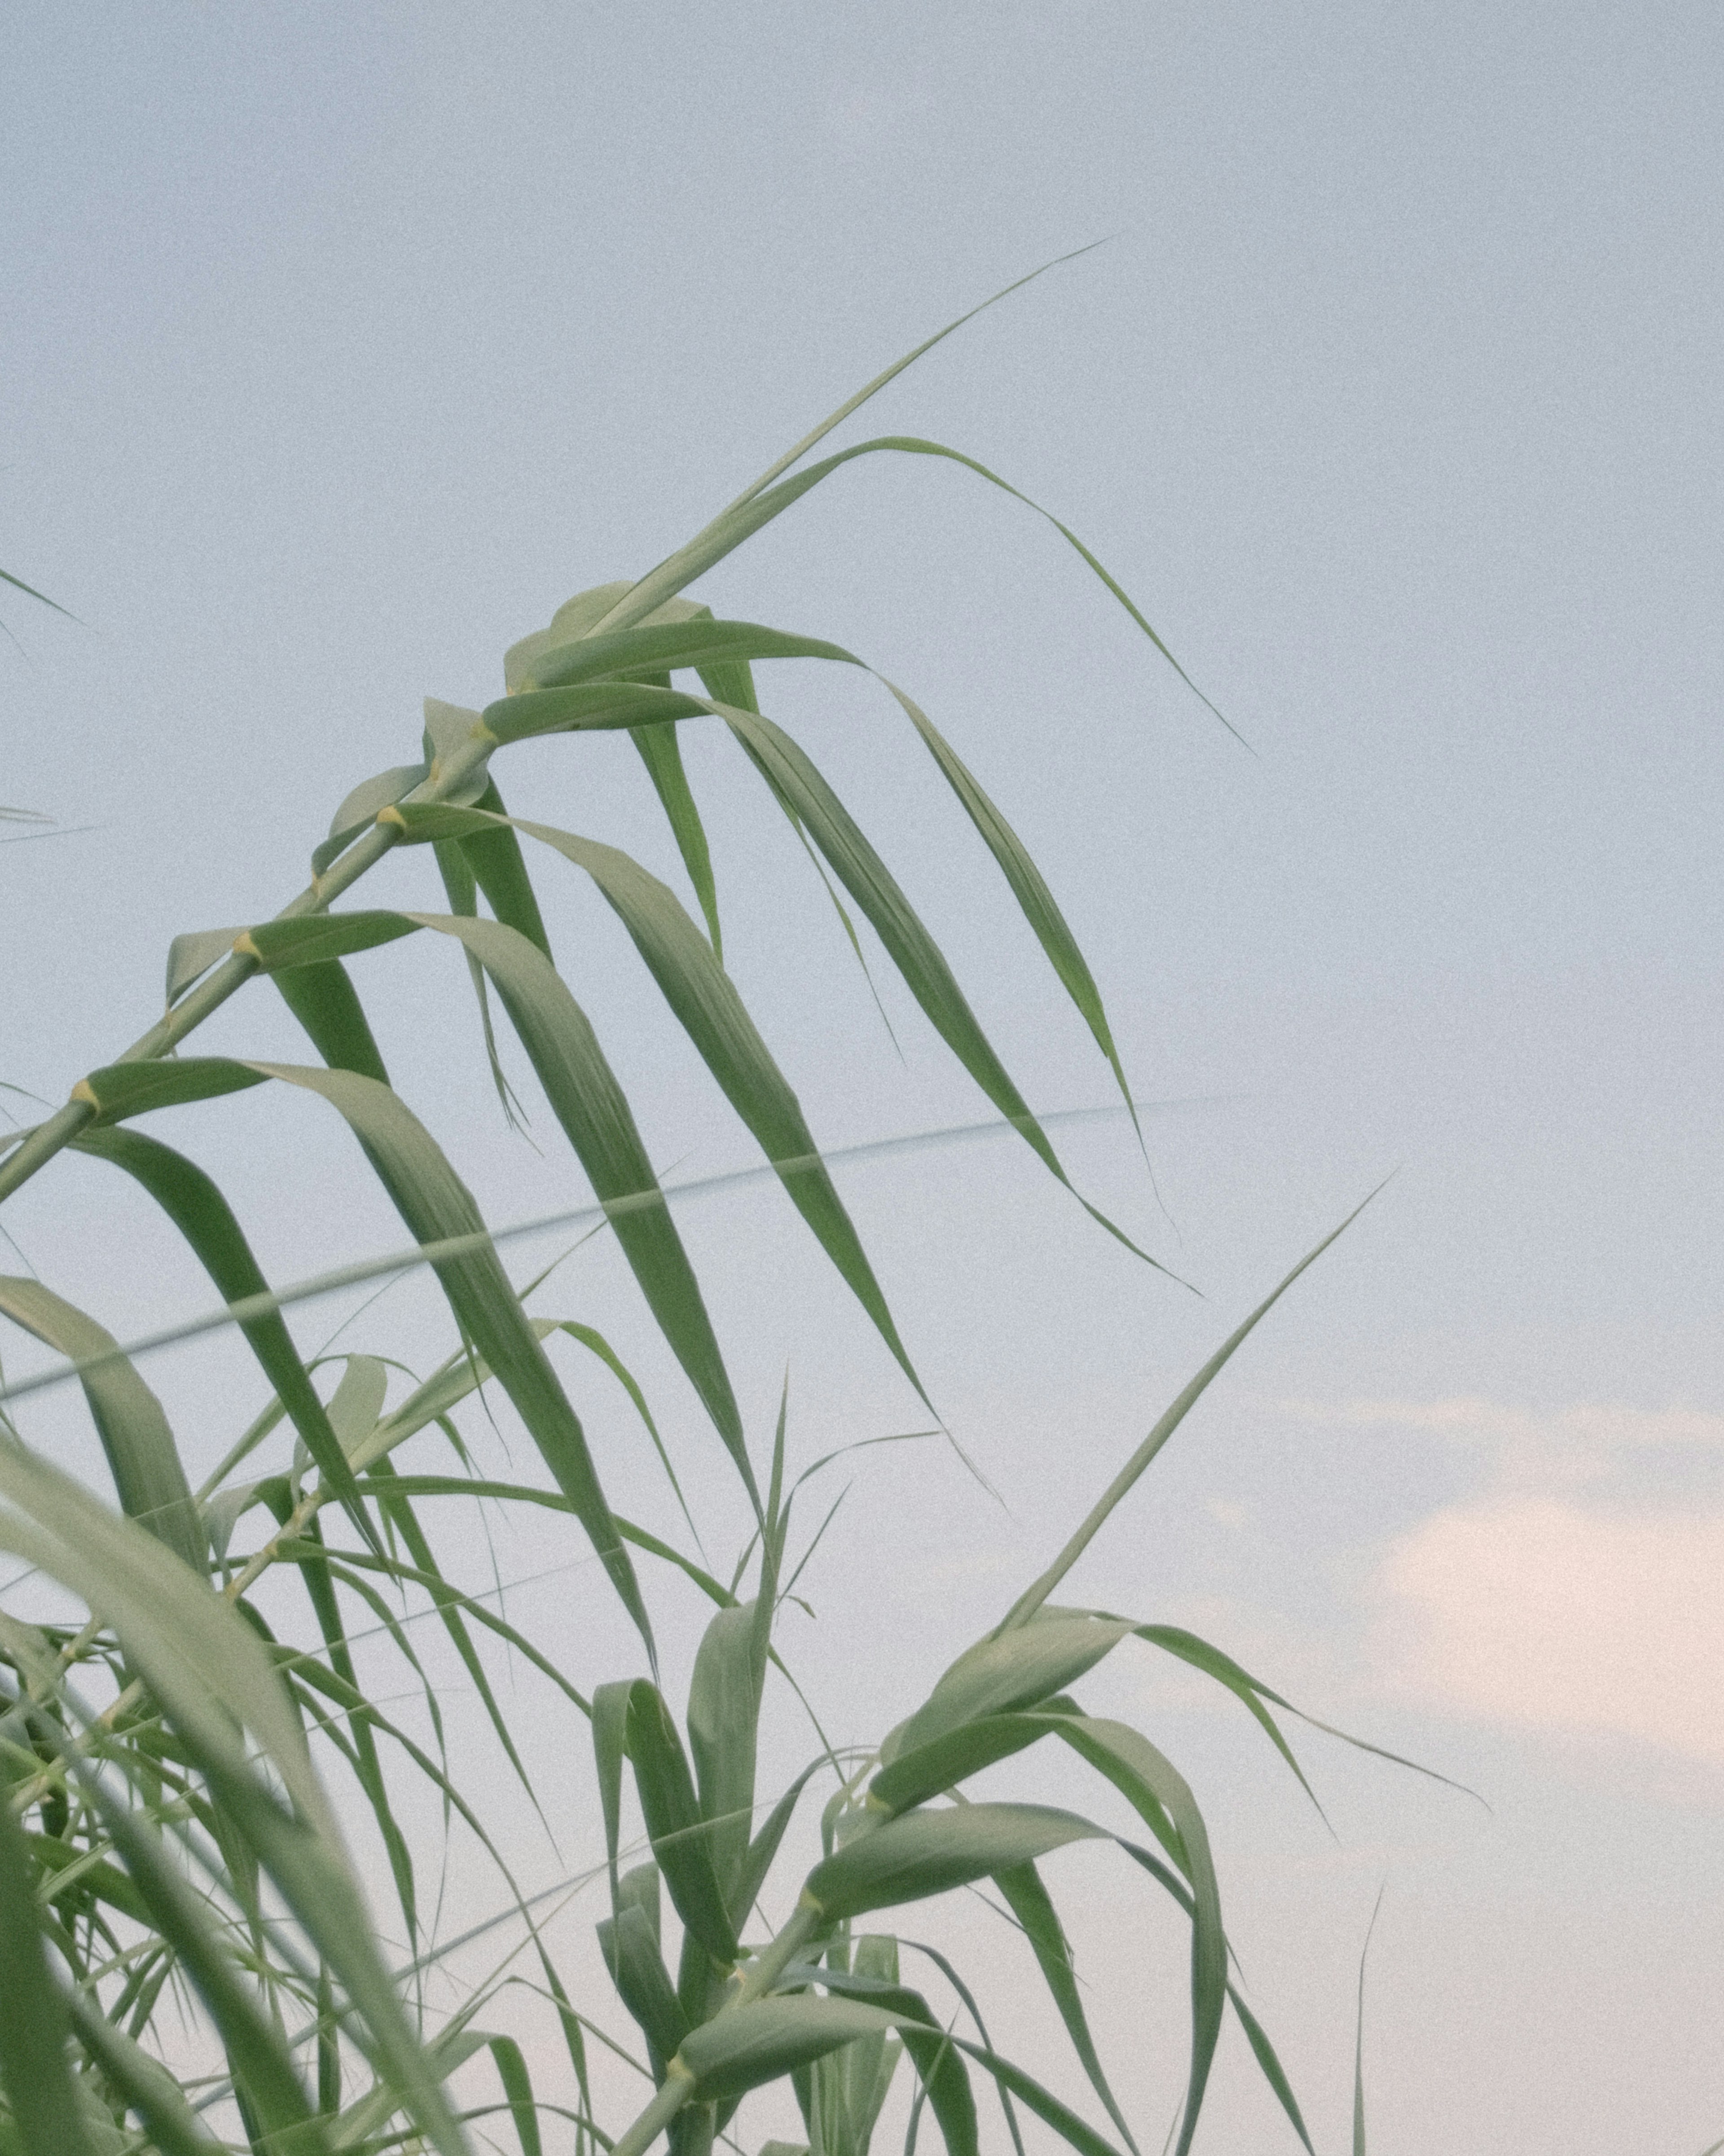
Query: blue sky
point(343, 346)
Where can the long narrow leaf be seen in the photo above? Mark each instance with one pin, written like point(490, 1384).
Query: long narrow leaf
point(142, 1456)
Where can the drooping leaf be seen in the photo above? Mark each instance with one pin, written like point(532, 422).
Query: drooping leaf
point(736, 2052)
point(705, 1002)
point(929, 1852)
point(1030, 1903)
point(194, 1203)
point(34, 2070)
point(1008, 1672)
point(142, 1456)
point(1150, 1783)
point(592, 1108)
point(631, 1955)
point(1034, 1596)
point(912, 950)
point(437, 1206)
point(324, 1001)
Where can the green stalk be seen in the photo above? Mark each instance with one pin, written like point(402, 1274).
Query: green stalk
point(49, 1138)
point(678, 2089)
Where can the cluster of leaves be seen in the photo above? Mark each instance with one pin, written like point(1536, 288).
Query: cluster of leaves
point(165, 1837)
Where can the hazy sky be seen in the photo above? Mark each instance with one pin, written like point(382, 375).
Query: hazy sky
point(343, 345)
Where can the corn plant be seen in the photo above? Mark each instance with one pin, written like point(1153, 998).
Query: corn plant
point(187, 1961)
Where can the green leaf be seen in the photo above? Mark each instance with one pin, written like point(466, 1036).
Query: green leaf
point(593, 706)
point(143, 2083)
point(494, 858)
point(912, 950)
point(1028, 886)
point(142, 1456)
point(610, 1738)
point(705, 1002)
point(926, 1852)
point(121, 1089)
point(359, 812)
point(256, 2053)
point(1047, 2107)
point(661, 753)
point(724, 1711)
point(190, 957)
point(1029, 1902)
point(759, 2043)
point(594, 1113)
point(1027, 1605)
point(873, 1980)
point(1156, 1790)
point(929, 1769)
point(681, 1841)
point(326, 1004)
point(1006, 1671)
point(195, 1205)
point(437, 1206)
point(631, 1954)
point(660, 648)
point(764, 1848)
point(310, 939)
point(518, 2087)
point(34, 2067)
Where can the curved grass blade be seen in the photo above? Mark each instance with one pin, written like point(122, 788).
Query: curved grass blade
point(630, 1948)
point(143, 2083)
point(588, 707)
point(190, 957)
point(256, 2053)
point(705, 1002)
point(590, 1106)
point(500, 871)
point(194, 1203)
point(1359, 2040)
point(1025, 1607)
point(518, 2088)
point(1030, 1903)
point(324, 1001)
point(142, 1456)
point(1029, 886)
point(1006, 1672)
point(437, 1206)
point(633, 603)
point(944, 2076)
point(1160, 1794)
point(912, 950)
point(661, 752)
point(360, 810)
point(34, 2067)
point(1046, 2105)
point(736, 2052)
point(461, 887)
point(723, 1718)
point(320, 1586)
point(452, 1605)
point(929, 1770)
point(924, 1853)
point(696, 641)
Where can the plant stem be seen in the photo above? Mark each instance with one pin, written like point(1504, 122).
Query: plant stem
point(41, 1144)
point(677, 2091)
point(767, 1968)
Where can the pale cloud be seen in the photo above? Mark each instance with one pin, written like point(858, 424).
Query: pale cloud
point(1558, 1616)
point(1586, 1442)
point(1559, 1599)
